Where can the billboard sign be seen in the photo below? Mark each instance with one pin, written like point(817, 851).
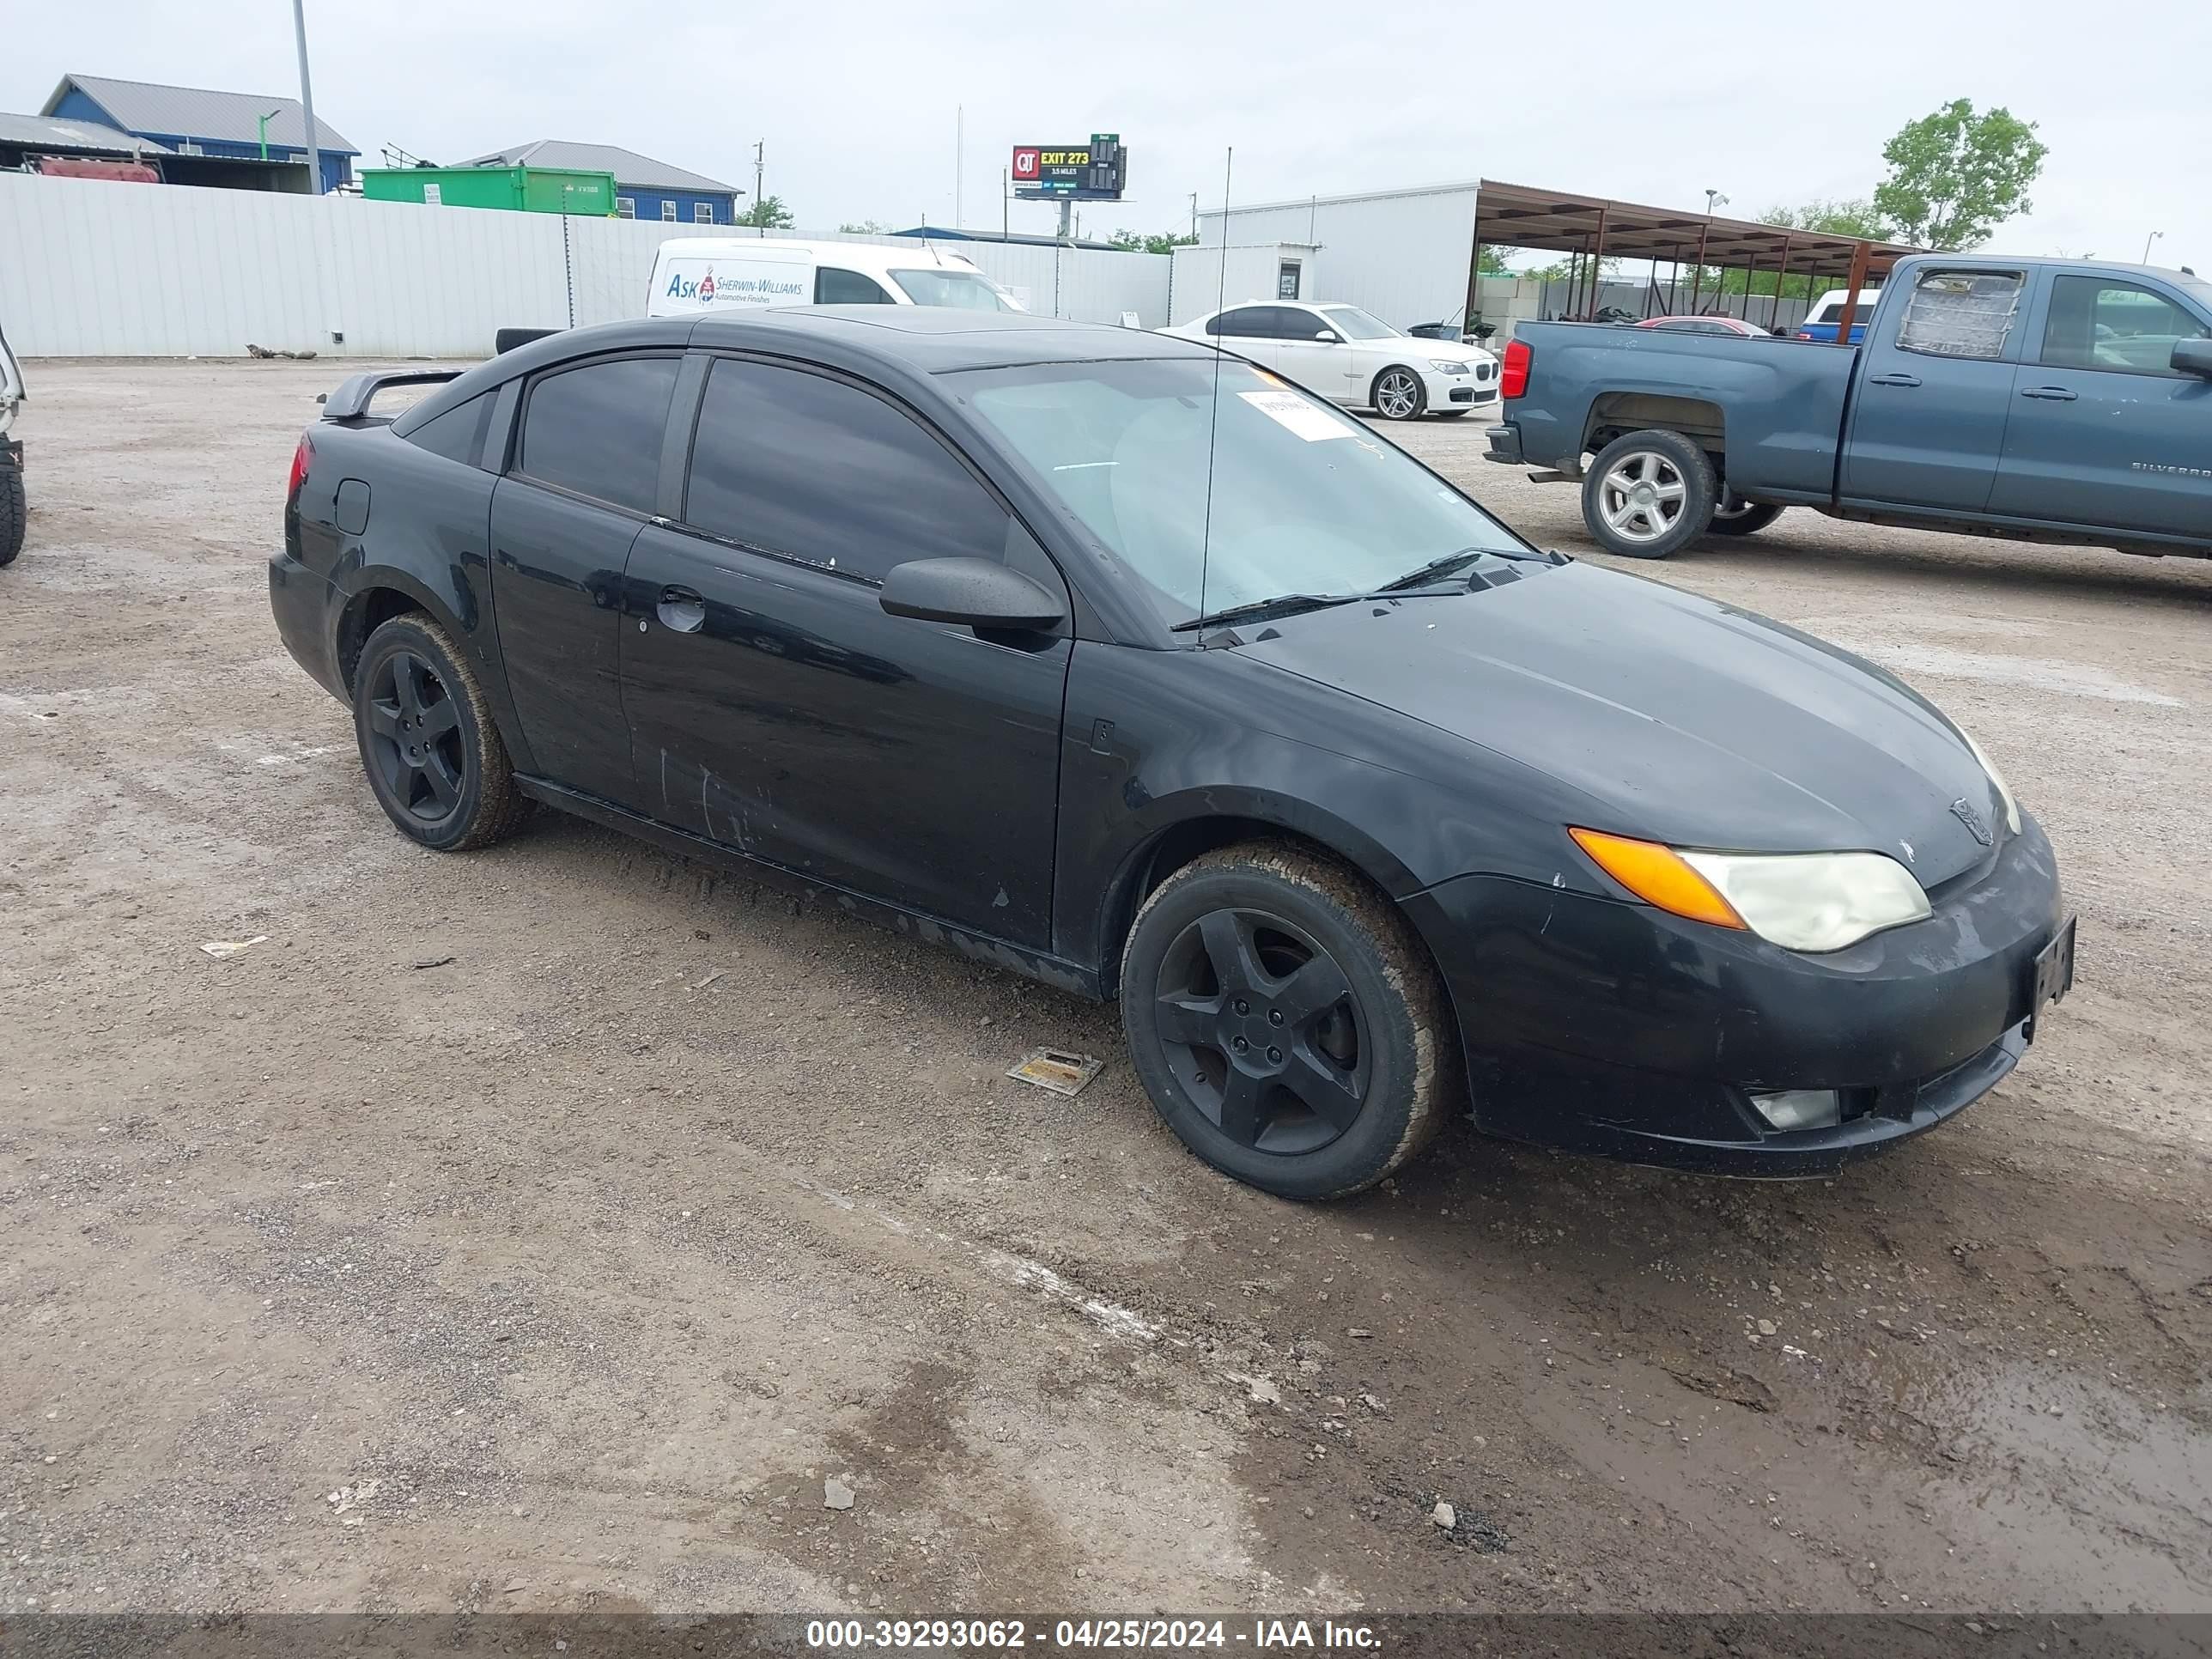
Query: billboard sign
point(1098, 171)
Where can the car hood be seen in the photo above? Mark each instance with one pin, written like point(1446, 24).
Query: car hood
point(1681, 720)
point(1453, 352)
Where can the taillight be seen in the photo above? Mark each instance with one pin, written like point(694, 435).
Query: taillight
point(1514, 382)
point(303, 457)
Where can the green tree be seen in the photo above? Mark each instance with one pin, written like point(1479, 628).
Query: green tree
point(1955, 176)
point(1858, 217)
point(767, 214)
point(1491, 262)
point(864, 227)
point(1164, 242)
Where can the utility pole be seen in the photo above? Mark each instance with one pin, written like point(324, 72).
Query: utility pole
point(307, 101)
point(760, 168)
point(1193, 215)
point(1005, 204)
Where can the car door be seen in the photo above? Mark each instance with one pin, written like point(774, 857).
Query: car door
point(776, 707)
point(2105, 430)
point(1309, 350)
point(1248, 331)
point(583, 479)
point(1929, 415)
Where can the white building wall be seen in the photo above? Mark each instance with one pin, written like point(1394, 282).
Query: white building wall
point(92, 268)
point(1198, 283)
point(1400, 254)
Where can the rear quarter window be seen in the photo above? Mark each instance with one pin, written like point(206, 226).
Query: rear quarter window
point(458, 435)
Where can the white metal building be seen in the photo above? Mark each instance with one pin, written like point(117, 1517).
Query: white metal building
point(1402, 254)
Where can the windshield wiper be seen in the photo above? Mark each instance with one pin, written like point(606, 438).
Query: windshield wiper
point(1292, 605)
point(1452, 563)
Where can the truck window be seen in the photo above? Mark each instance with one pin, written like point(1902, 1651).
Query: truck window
point(1960, 313)
point(2098, 323)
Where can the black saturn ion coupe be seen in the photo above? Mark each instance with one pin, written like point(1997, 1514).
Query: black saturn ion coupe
point(1095, 655)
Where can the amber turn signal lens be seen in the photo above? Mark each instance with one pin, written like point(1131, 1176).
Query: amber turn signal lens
point(1658, 875)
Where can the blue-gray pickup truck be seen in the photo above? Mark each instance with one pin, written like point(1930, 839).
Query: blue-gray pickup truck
point(2051, 400)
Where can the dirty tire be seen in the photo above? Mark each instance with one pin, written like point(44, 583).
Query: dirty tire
point(1735, 516)
point(1278, 903)
point(1398, 393)
point(14, 513)
point(1681, 476)
point(472, 800)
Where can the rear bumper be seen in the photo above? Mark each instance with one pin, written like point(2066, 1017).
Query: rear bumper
point(1614, 1028)
point(304, 604)
point(1504, 445)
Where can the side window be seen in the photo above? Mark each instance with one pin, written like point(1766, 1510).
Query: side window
point(815, 470)
point(1960, 313)
point(1245, 323)
point(833, 287)
point(2097, 323)
point(457, 435)
point(703, 213)
point(668, 211)
point(1297, 323)
point(626, 206)
point(599, 430)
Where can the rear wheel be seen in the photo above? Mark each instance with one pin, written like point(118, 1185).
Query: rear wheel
point(436, 761)
point(14, 511)
point(1735, 516)
point(1398, 394)
point(1287, 1021)
point(1648, 494)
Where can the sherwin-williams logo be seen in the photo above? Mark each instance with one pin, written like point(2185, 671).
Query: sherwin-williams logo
point(738, 290)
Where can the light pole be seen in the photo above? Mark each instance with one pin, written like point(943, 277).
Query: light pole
point(2148, 240)
point(307, 101)
point(1714, 198)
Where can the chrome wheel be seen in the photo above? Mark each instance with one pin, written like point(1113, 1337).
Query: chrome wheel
point(1642, 496)
point(1397, 395)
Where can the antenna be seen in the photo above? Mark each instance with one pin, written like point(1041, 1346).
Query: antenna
point(1213, 421)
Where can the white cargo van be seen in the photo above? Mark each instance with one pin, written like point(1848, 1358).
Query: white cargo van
point(713, 273)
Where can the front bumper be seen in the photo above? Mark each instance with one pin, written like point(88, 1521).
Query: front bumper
point(1460, 391)
point(1614, 1028)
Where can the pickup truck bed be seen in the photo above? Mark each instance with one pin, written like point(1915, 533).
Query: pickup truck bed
point(2040, 400)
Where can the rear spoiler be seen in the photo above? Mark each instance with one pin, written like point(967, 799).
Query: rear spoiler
point(357, 392)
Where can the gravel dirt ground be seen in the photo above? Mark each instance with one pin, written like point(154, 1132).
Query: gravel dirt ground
point(543, 1228)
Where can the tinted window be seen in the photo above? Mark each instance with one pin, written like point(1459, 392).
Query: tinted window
point(1297, 323)
point(1245, 323)
point(833, 287)
point(2095, 323)
point(458, 435)
point(598, 429)
point(814, 469)
point(1960, 313)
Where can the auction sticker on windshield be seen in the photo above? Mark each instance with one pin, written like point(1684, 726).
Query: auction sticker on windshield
point(1287, 409)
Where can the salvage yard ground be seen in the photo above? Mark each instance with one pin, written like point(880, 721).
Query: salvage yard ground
point(542, 1228)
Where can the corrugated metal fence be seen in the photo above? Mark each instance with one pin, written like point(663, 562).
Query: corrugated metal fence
point(90, 268)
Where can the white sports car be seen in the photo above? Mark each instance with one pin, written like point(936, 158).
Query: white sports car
point(1341, 353)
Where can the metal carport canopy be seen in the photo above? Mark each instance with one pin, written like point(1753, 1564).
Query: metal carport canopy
point(1559, 222)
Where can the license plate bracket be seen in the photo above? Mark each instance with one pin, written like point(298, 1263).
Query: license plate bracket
point(2051, 977)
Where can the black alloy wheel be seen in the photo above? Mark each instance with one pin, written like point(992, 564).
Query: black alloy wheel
point(1260, 1023)
point(1286, 1021)
point(435, 758)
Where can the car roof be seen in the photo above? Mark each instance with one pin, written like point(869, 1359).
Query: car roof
point(933, 339)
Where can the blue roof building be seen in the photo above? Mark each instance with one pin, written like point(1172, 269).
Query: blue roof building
point(213, 138)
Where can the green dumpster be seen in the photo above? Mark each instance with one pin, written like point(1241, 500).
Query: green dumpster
point(519, 189)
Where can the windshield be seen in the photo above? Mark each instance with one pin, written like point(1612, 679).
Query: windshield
point(1357, 324)
point(966, 290)
point(1302, 498)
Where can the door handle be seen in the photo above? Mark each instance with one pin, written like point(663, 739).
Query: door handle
point(2056, 394)
point(681, 610)
point(1895, 380)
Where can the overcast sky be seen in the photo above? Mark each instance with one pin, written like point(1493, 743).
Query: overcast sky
point(1769, 104)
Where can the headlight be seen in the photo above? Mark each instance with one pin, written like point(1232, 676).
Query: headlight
point(1799, 900)
point(1447, 365)
point(2004, 790)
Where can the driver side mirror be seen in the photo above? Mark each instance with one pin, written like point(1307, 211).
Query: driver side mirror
point(2193, 357)
point(970, 593)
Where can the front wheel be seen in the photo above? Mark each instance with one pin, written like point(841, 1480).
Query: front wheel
point(1648, 494)
point(1399, 395)
point(436, 761)
point(1735, 516)
point(14, 511)
point(1287, 1021)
